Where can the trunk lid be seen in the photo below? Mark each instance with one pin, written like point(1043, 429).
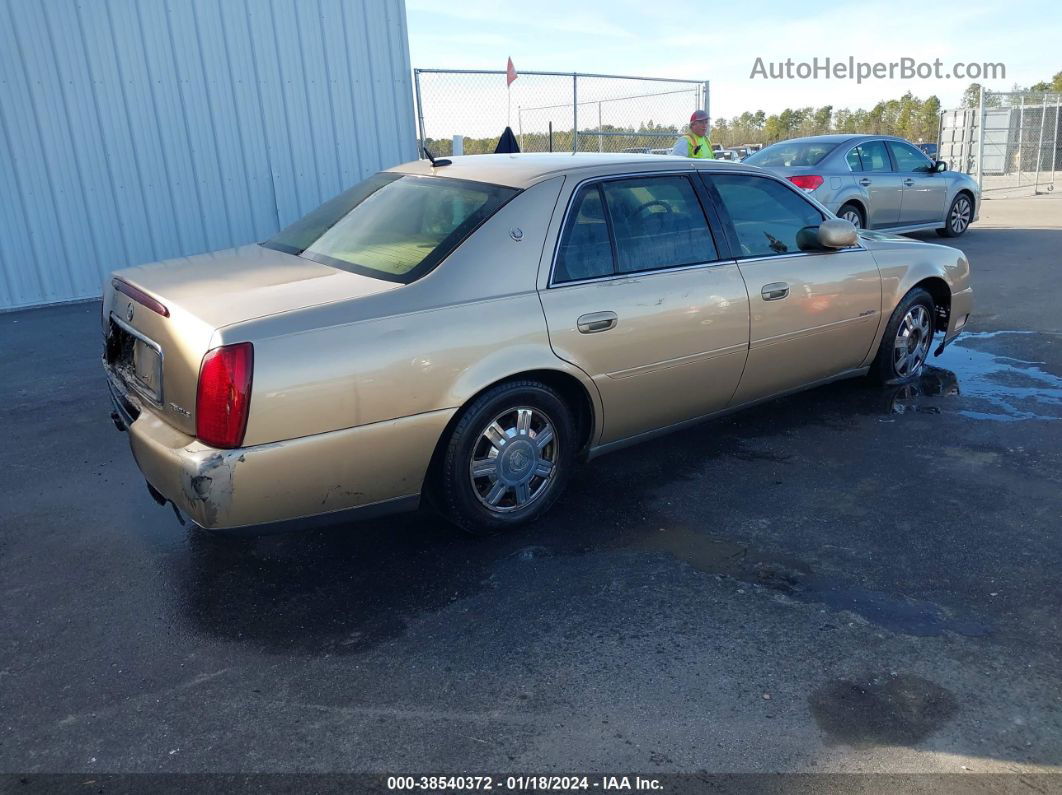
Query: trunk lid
point(154, 354)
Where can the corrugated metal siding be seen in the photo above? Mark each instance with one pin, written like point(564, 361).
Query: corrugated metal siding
point(135, 130)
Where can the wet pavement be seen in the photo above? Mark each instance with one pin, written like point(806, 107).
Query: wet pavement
point(843, 580)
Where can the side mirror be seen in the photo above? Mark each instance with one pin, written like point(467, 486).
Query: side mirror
point(940, 166)
point(833, 233)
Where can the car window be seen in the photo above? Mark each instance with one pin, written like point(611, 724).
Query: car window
point(874, 156)
point(908, 158)
point(585, 251)
point(766, 215)
point(392, 226)
point(852, 158)
point(658, 223)
point(792, 153)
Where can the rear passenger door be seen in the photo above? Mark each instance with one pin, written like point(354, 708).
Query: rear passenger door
point(813, 314)
point(641, 298)
point(872, 169)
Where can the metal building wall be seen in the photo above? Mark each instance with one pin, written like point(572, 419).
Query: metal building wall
point(135, 130)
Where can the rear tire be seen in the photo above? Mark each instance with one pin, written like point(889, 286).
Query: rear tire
point(508, 458)
point(959, 216)
point(851, 212)
point(907, 340)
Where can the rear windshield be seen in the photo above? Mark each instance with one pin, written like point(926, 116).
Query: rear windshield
point(393, 226)
point(792, 153)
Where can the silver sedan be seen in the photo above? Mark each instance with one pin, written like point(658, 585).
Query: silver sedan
point(876, 182)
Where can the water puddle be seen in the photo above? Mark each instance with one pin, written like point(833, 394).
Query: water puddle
point(992, 386)
point(907, 616)
point(797, 581)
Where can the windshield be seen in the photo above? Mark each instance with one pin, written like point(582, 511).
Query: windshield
point(393, 226)
point(792, 153)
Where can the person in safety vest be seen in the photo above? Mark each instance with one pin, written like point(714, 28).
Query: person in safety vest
point(695, 143)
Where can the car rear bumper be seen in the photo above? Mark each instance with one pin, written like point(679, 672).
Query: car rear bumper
point(370, 466)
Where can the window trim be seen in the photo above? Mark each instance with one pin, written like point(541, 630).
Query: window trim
point(718, 236)
point(859, 157)
point(731, 231)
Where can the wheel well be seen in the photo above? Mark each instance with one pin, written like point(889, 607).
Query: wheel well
point(567, 386)
point(941, 294)
point(857, 204)
point(973, 200)
point(575, 396)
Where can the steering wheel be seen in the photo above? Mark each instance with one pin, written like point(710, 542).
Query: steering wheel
point(653, 203)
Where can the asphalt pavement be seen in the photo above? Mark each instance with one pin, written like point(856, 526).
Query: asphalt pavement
point(847, 580)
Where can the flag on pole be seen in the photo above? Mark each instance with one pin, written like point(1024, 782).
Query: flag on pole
point(510, 76)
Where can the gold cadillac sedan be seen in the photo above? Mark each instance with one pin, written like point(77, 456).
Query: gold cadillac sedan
point(466, 331)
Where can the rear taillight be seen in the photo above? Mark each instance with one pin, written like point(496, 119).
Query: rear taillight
point(223, 398)
point(806, 181)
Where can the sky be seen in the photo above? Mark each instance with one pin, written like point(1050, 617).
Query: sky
point(720, 42)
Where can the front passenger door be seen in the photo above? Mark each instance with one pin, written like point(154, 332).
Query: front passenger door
point(924, 191)
point(813, 314)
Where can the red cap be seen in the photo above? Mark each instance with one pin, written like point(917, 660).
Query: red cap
point(698, 115)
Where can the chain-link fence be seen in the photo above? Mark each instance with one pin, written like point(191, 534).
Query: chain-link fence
point(553, 111)
point(1011, 141)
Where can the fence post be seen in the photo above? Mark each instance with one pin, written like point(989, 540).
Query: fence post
point(1040, 144)
point(459, 145)
point(600, 137)
point(1054, 143)
point(1021, 137)
point(575, 112)
point(420, 113)
point(520, 126)
point(980, 138)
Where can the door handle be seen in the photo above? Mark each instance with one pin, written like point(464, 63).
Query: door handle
point(596, 321)
point(775, 291)
point(908, 182)
point(864, 182)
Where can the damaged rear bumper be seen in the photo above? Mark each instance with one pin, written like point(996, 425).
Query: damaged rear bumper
point(370, 469)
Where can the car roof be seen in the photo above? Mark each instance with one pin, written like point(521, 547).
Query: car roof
point(525, 169)
point(833, 138)
point(836, 138)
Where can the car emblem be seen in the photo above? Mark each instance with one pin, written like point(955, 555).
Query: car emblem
point(129, 313)
point(516, 233)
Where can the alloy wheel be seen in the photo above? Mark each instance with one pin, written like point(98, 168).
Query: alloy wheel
point(961, 213)
point(514, 459)
point(852, 216)
point(912, 342)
